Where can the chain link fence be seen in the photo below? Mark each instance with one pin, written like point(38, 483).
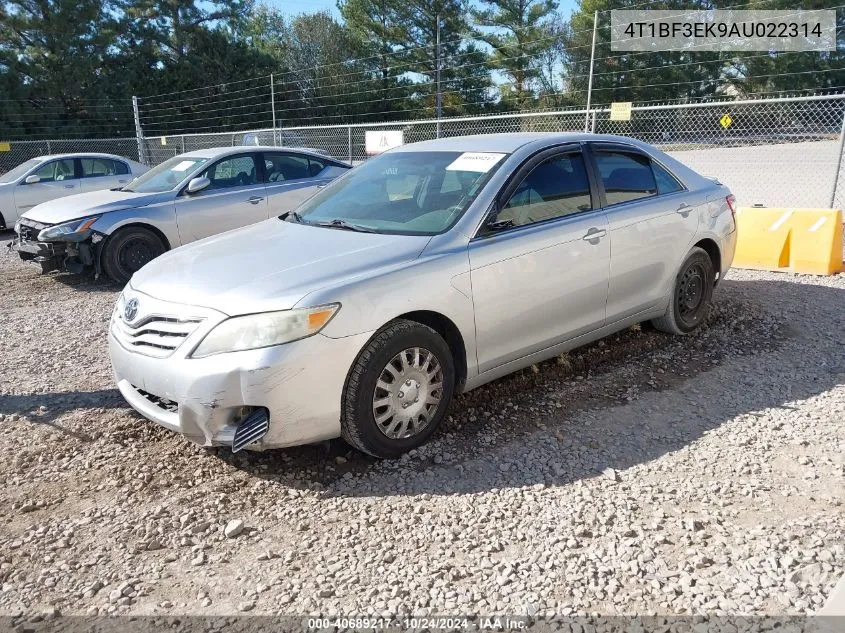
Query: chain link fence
point(16, 152)
point(772, 152)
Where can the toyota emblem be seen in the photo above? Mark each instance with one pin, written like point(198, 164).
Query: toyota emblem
point(130, 310)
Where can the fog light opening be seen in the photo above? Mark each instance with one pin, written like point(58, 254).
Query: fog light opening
point(252, 427)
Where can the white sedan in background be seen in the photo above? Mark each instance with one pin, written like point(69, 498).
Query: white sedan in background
point(49, 177)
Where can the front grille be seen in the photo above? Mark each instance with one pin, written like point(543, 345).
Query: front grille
point(155, 335)
point(162, 403)
point(29, 229)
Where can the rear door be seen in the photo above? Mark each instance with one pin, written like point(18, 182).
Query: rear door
point(292, 178)
point(57, 178)
point(235, 198)
point(652, 220)
point(102, 173)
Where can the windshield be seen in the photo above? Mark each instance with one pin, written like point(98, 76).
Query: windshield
point(166, 176)
point(13, 174)
point(410, 193)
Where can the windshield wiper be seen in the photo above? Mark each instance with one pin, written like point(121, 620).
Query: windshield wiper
point(292, 215)
point(337, 223)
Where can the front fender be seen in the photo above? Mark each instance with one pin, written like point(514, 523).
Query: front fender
point(161, 216)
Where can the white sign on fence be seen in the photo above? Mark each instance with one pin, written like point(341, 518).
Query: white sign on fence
point(379, 141)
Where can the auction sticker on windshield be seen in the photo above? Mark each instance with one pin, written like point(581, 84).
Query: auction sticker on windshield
point(481, 162)
point(185, 164)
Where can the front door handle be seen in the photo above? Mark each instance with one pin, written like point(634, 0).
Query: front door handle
point(68, 186)
point(254, 199)
point(594, 234)
point(122, 180)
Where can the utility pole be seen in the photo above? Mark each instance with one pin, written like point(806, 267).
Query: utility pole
point(590, 81)
point(439, 97)
point(139, 134)
point(273, 106)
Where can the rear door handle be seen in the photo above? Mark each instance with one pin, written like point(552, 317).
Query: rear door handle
point(122, 180)
point(594, 234)
point(254, 199)
point(684, 209)
point(69, 186)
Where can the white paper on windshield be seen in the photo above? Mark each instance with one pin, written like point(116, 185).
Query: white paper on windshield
point(184, 165)
point(481, 162)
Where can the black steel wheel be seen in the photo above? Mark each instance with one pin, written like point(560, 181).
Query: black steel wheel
point(128, 250)
point(691, 296)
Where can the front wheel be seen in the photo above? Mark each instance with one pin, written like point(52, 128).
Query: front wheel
point(127, 250)
point(691, 296)
point(398, 390)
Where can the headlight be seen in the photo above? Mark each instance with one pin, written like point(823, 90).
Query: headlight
point(264, 330)
point(76, 230)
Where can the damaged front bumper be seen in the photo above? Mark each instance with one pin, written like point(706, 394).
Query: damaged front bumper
point(71, 255)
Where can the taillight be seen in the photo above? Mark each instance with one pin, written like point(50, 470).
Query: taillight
point(731, 200)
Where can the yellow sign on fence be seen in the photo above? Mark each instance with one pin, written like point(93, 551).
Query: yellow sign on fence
point(620, 111)
point(798, 240)
point(5, 147)
point(726, 121)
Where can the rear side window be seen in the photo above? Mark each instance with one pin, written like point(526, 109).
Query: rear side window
point(666, 182)
point(99, 167)
point(625, 176)
point(282, 167)
point(555, 188)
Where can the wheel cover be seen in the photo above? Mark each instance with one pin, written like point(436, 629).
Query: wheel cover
point(690, 294)
point(407, 393)
point(135, 254)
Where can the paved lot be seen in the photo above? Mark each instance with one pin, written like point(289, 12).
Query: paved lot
point(644, 474)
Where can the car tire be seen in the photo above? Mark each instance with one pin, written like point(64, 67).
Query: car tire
point(691, 295)
point(128, 250)
point(380, 382)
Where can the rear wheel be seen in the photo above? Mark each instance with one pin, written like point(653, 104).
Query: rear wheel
point(691, 295)
point(128, 250)
point(398, 390)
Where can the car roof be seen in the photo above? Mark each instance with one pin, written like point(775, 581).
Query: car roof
point(216, 152)
point(508, 142)
point(47, 157)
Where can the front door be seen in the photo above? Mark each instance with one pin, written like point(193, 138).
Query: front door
point(57, 178)
point(539, 274)
point(235, 198)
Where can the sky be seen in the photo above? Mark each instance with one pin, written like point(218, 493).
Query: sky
point(312, 6)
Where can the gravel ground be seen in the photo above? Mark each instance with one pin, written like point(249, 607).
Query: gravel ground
point(643, 474)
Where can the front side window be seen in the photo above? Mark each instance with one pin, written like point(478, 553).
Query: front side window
point(236, 171)
point(406, 193)
point(167, 176)
point(56, 170)
point(100, 167)
point(555, 188)
point(626, 176)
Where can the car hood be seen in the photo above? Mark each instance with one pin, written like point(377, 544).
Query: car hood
point(91, 203)
point(271, 265)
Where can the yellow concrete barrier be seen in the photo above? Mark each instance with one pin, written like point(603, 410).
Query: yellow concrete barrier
point(798, 240)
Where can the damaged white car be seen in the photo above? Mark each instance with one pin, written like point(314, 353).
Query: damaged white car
point(186, 198)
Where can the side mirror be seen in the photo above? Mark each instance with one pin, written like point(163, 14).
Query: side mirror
point(196, 185)
point(32, 179)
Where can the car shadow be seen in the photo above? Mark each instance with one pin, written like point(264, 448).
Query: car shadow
point(556, 447)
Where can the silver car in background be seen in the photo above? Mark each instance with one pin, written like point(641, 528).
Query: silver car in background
point(189, 197)
point(56, 176)
point(429, 270)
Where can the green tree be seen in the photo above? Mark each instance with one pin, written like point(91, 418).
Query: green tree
point(522, 33)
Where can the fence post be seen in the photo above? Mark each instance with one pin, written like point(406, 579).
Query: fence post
point(350, 143)
point(139, 134)
point(183, 143)
point(593, 128)
point(273, 106)
point(590, 80)
point(49, 149)
point(838, 161)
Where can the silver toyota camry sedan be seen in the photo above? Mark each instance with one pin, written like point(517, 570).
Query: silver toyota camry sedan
point(186, 198)
point(427, 271)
